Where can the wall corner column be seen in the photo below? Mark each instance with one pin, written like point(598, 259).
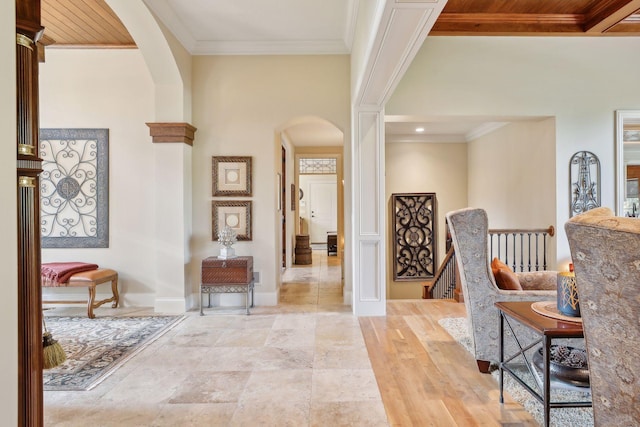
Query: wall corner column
point(173, 217)
point(369, 246)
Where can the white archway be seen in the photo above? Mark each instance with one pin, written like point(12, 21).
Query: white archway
point(170, 67)
point(168, 62)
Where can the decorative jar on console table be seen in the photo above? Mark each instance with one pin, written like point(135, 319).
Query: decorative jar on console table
point(232, 275)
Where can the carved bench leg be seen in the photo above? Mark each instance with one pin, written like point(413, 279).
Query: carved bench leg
point(114, 290)
point(92, 298)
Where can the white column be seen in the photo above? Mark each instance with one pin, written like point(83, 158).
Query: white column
point(369, 272)
point(172, 186)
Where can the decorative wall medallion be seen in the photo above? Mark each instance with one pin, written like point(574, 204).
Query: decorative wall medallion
point(414, 236)
point(74, 188)
point(584, 176)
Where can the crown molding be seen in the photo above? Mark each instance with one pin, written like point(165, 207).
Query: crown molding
point(260, 47)
point(426, 138)
point(483, 130)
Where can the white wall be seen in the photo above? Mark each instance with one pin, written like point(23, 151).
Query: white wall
point(580, 81)
point(424, 168)
point(8, 219)
point(83, 88)
point(239, 103)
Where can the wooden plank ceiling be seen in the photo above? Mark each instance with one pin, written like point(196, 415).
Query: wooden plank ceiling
point(83, 23)
point(91, 23)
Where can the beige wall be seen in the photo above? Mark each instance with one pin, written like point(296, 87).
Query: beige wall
point(9, 247)
point(424, 168)
point(240, 102)
point(512, 176)
point(580, 81)
point(239, 105)
point(83, 88)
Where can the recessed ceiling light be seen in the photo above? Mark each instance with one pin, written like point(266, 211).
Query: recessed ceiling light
point(419, 129)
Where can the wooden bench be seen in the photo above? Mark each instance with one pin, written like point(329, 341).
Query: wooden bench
point(91, 279)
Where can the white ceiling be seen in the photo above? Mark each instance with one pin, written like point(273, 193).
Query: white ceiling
point(218, 27)
point(439, 130)
point(446, 128)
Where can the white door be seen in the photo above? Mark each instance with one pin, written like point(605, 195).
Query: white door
point(322, 210)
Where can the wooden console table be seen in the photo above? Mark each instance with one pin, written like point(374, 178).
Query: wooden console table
point(231, 275)
point(548, 329)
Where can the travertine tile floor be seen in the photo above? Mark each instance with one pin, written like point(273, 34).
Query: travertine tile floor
point(302, 363)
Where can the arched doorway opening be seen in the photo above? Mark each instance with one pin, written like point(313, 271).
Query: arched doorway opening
point(312, 194)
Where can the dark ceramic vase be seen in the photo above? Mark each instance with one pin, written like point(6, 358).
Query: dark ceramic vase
point(568, 303)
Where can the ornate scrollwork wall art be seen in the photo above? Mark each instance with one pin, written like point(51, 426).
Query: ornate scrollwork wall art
point(414, 236)
point(584, 177)
point(74, 188)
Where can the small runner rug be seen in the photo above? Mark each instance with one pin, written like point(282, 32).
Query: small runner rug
point(97, 347)
point(561, 417)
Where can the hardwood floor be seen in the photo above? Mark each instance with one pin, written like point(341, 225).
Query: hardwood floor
point(425, 377)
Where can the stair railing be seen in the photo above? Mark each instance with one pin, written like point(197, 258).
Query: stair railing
point(521, 249)
point(444, 282)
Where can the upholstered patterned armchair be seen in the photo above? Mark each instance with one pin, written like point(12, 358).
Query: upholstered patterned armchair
point(606, 256)
point(469, 233)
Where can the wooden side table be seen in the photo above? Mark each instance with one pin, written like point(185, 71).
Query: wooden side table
point(548, 329)
point(231, 275)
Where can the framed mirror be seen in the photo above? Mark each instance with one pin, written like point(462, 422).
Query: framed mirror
point(627, 162)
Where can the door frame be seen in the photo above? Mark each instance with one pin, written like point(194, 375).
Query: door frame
point(333, 153)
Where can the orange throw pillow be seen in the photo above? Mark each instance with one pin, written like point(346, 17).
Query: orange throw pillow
point(506, 279)
point(496, 265)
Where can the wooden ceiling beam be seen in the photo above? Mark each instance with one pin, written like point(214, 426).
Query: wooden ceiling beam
point(606, 14)
point(526, 18)
point(507, 23)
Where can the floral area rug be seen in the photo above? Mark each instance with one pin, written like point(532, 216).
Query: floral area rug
point(97, 347)
point(561, 417)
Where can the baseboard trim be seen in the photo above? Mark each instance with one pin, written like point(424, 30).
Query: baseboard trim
point(347, 297)
point(266, 298)
point(170, 305)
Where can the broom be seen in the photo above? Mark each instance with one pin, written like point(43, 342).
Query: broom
point(52, 352)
